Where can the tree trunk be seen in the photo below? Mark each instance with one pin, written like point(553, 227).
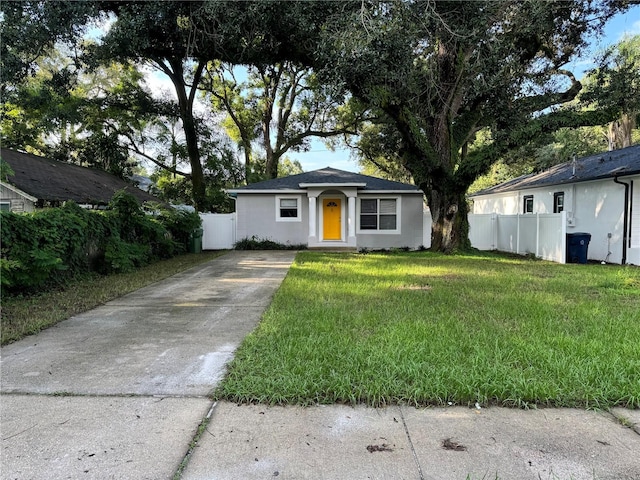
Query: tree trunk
point(246, 148)
point(197, 174)
point(270, 89)
point(271, 167)
point(185, 105)
point(627, 124)
point(450, 222)
point(619, 134)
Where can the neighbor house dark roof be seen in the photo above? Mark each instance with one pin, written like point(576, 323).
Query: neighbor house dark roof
point(53, 181)
point(327, 177)
point(616, 163)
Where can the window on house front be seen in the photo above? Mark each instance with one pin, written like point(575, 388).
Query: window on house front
point(378, 214)
point(5, 206)
point(288, 209)
point(558, 202)
point(528, 204)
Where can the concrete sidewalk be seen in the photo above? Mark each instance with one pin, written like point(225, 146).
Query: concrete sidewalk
point(455, 443)
point(121, 393)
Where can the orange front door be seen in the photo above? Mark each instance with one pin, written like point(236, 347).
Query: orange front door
point(332, 219)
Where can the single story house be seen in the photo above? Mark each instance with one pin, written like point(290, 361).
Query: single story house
point(39, 182)
point(330, 208)
point(600, 194)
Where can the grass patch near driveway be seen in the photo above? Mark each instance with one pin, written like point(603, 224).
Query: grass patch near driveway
point(26, 315)
point(424, 328)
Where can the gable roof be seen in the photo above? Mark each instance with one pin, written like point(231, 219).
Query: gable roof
point(53, 181)
point(327, 177)
point(19, 192)
point(616, 163)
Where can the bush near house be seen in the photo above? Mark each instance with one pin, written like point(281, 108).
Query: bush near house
point(256, 243)
point(47, 247)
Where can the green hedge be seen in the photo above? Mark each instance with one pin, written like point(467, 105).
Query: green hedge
point(46, 247)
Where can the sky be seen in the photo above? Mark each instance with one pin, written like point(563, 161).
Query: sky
point(627, 23)
point(319, 156)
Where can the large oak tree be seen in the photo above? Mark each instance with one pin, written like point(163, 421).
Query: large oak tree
point(441, 71)
point(181, 38)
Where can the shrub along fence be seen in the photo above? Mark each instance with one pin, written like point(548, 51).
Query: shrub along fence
point(49, 246)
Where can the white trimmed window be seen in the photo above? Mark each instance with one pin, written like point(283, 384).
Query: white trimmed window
point(558, 202)
point(288, 209)
point(379, 215)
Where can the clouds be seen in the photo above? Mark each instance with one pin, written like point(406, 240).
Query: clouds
point(627, 23)
point(621, 25)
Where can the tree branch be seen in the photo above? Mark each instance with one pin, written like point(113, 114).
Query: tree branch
point(133, 147)
point(553, 121)
point(538, 103)
point(297, 139)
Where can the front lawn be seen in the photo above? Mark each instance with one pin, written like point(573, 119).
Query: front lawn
point(423, 328)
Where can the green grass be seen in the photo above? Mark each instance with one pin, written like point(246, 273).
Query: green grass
point(22, 316)
point(425, 329)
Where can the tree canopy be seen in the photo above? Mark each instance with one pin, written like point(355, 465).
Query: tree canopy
point(280, 108)
point(614, 82)
point(441, 72)
point(434, 74)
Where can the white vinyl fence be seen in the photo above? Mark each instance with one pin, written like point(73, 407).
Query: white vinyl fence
point(542, 234)
point(219, 231)
point(426, 228)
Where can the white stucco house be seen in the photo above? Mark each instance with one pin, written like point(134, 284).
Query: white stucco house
point(600, 194)
point(330, 208)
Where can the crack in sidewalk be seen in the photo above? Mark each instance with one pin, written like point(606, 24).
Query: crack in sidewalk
point(413, 450)
point(202, 427)
point(625, 422)
point(64, 393)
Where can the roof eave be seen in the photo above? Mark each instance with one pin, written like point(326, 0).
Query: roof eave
point(335, 184)
point(264, 190)
point(382, 192)
point(31, 198)
point(236, 192)
point(553, 184)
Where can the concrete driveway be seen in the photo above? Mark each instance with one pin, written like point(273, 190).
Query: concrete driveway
point(119, 391)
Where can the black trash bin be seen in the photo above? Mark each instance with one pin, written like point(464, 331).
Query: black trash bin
point(577, 247)
point(195, 241)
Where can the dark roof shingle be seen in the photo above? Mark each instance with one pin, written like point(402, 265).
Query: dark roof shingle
point(625, 161)
point(54, 181)
point(328, 176)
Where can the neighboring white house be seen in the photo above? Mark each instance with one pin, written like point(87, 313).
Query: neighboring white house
point(600, 194)
point(13, 199)
point(331, 208)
